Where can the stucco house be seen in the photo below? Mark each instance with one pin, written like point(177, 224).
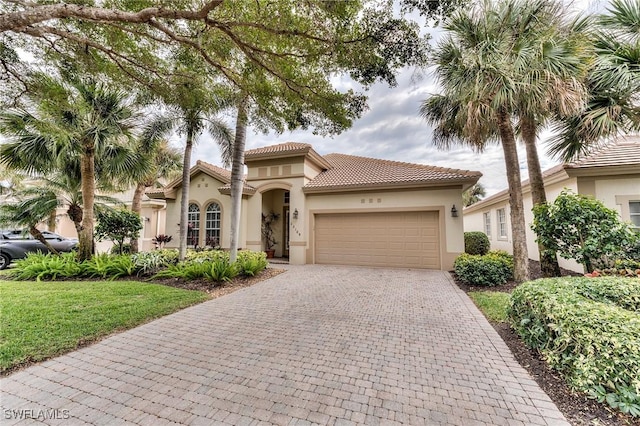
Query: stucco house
point(152, 212)
point(611, 175)
point(333, 209)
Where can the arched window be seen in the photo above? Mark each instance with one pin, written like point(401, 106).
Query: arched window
point(212, 225)
point(193, 225)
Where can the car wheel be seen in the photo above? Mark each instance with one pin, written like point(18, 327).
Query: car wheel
point(4, 261)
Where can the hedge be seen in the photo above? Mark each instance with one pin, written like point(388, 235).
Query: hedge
point(494, 268)
point(588, 329)
point(476, 243)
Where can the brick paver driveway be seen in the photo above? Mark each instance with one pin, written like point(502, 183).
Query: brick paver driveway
point(315, 345)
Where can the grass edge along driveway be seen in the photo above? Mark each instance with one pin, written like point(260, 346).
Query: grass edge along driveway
point(39, 320)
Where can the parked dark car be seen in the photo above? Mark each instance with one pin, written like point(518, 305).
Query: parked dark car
point(16, 245)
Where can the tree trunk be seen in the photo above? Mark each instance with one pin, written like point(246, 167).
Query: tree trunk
point(184, 201)
point(518, 230)
point(136, 207)
point(548, 259)
point(237, 172)
point(75, 214)
point(88, 176)
point(51, 223)
point(35, 232)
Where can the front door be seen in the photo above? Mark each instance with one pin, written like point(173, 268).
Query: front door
point(285, 231)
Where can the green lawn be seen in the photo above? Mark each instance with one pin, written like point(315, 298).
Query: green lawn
point(493, 304)
point(39, 320)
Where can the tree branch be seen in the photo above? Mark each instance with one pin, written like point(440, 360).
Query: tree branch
point(19, 21)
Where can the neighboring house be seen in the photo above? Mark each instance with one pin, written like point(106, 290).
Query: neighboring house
point(334, 209)
point(612, 175)
point(152, 213)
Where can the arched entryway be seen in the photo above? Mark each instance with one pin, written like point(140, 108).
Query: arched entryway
point(275, 220)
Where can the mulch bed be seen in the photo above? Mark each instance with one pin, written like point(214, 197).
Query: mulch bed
point(577, 408)
point(216, 290)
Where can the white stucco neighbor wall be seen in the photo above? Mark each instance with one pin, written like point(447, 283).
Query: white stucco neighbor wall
point(616, 193)
point(613, 191)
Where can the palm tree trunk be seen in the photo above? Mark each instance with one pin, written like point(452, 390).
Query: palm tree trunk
point(184, 201)
point(75, 214)
point(88, 177)
point(237, 173)
point(548, 259)
point(51, 223)
point(518, 230)
point(136, 207)
point(35, 232)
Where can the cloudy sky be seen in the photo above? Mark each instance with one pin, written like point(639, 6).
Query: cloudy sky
point(392, 129)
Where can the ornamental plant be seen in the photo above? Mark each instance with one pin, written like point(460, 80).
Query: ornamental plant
point(582, 228)
point(117, 226)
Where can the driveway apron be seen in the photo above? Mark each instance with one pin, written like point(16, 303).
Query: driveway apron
point(314, 345)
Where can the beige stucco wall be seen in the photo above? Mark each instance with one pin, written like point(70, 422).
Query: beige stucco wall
point(617, 192)
point(152, 213)
point(269, 196)
point(203, 190)
point(451, 229)
point(609, 190)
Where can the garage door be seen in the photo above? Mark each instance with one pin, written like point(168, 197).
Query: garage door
point(397, 239)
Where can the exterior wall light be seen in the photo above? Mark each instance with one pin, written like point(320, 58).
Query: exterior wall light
point(454, 211)
point(295, 214)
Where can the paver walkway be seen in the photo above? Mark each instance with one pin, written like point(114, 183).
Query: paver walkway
point(315, 345)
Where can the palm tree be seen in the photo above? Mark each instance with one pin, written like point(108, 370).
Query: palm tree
point(473, 194)
point(553, 88)
point(76, 122)
point(165, 163)
point(492, 58)
point(613, 83)
point(237, 164)
point(10, 182)
point(190, 114)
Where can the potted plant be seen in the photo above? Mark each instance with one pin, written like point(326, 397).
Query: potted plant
point(267, 232)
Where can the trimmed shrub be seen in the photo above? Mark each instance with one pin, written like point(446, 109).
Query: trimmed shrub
point(476, 243)
point(251, 263)
point(583, 330)
point(206, 255)
point(488, 270)
point(623, 293)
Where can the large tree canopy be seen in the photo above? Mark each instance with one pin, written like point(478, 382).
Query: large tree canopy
point(282, 53)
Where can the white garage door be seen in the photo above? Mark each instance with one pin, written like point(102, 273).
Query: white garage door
point(397, 239)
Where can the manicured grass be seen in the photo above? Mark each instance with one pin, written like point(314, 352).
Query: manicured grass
point(493, 304)
point(39, 320)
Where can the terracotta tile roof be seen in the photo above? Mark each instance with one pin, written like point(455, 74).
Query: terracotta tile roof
point(287, 149)
point(350, 171)
point(624, 151)
point(504, 194)
point(215, 170)
point(283, 148)
point(246, 189)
